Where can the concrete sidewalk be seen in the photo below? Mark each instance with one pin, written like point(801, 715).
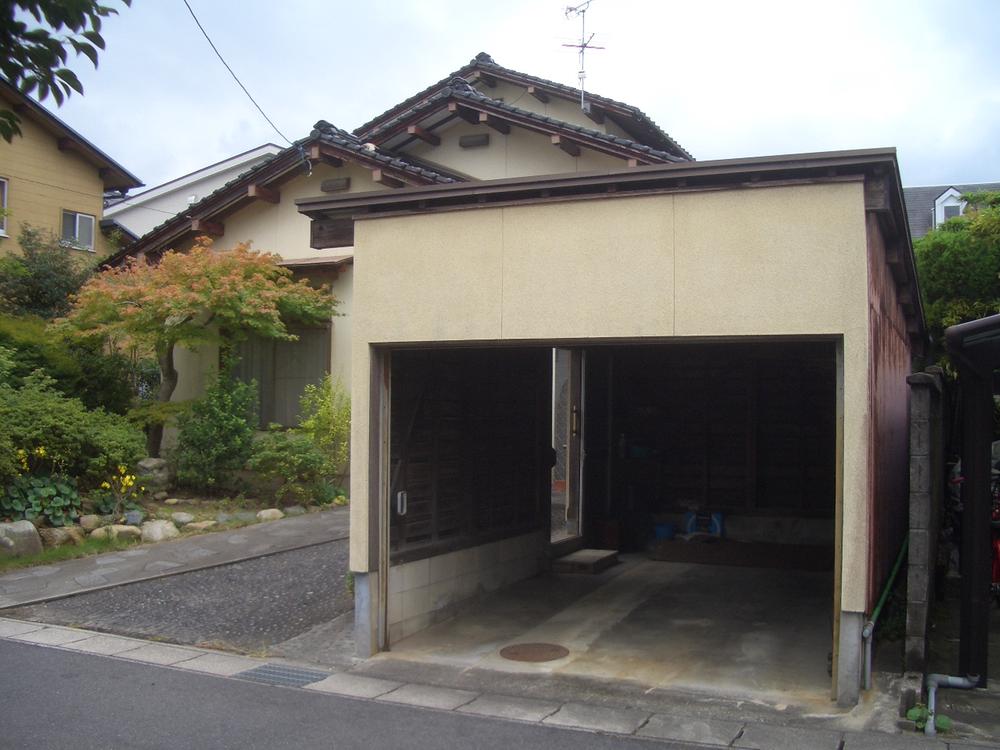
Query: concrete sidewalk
point(638, 722)
point(148, 561)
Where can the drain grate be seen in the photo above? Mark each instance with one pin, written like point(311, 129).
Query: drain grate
point(534, 652)
point(277, 674)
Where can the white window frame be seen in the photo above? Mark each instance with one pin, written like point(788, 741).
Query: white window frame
point(3, 206)
point(74, 241)
point(950, 197)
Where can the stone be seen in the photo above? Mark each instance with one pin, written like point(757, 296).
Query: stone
point(153, 474)
point(181, 518)
point(246, 516)
point(158, 531)
point(171, 501)
point(295, 510)
point(224, 517)
point(57, 537)
point(116, 531)
point(200, 525)
point(90, 522)
point(269, 514)
point(18, 539)
point(160, 496)
point(134, 517)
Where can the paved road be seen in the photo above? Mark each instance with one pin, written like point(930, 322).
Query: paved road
point(57, 699)
point(248, 606)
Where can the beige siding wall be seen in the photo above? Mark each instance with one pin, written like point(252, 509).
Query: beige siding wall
point(43, 181)
point(782, 261)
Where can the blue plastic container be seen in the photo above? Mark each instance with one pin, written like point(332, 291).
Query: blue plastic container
point(664, 531)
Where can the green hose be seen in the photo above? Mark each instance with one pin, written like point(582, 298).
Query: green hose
point(892, 578)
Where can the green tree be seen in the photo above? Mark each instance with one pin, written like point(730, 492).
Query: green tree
point(41, 280)
point(192, 299)
point(958, 265)
point(34, 57)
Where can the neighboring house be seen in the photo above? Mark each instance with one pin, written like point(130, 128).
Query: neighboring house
point(930, 206)
point(730, 336)
point(53, 178)
point(141, 212)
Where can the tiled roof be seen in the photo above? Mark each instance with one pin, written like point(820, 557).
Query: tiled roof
point(460, 88)
point(486, 63)
point(920, 203)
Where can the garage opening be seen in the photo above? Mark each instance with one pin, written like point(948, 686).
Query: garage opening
point(710, 468)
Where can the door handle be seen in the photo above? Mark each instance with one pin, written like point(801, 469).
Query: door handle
point(575, 421)
point(401, 503)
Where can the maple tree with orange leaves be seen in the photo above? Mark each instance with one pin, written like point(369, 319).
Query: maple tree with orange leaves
point(190, 299)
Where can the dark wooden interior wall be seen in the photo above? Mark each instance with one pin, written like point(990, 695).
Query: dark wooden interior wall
point(745, 429)
point(469, 444)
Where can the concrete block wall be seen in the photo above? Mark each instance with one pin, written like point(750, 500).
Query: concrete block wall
point(926, 497)
point(430, 590)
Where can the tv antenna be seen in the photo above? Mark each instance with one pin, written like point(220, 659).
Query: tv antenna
point(585, 44)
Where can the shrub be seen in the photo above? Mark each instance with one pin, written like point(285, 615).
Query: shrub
point(215, 436)
point(41, 279)
point(53, 498)
point(326, 418)
point(85, 444)
point(291, 463)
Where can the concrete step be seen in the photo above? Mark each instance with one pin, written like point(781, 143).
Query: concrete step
point(589, 561)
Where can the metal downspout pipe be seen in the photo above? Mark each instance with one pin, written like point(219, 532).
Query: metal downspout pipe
point(868, 631)
point(934, 681)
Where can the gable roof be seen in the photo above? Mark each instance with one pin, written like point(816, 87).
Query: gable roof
point(113, 174)
point(920, 203)
point(333, 141)
point(460, 89)
point(629, 118)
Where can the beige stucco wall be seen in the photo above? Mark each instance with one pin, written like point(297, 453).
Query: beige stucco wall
point(556, 107)
point(519, 154)
point(43, 181)
point(769, 261)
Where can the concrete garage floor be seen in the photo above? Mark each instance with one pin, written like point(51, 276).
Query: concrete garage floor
point(744, 634)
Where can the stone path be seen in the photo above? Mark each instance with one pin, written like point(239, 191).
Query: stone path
point(573, 715)
point(149, 561)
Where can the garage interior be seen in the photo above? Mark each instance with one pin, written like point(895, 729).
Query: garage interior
point(709, 467)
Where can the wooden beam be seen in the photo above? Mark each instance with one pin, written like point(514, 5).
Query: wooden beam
point(425, 135)
point(469, 115)
point(338, 232)
point(492, 122)
point(877, 195)
point(538, 94)
point(486, 78)
point(263, 193)
point(211, 228)
point(476, 140)
point(319, 152)
point(335, 185)
point(594, 112)
point(67, 144)
point(384, 179)
point(566, 145)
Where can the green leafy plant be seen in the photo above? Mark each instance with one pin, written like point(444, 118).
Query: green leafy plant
point(41, 279)
point(53, 498)
point(215, 436)
point(290, 462)
point(118, 493)
point(326, 418)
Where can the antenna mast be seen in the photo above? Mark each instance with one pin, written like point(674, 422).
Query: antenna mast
point(581, 11)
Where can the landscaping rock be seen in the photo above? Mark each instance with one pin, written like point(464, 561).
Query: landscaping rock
point(171, 501)
point(200, 525)
point(19, 538)
point(134, 517)
point(246, 516)
point(224, 517)
point(181, 518)
point(157, 531)
point(116, 531)
point(295, 510)
point(153, 474)
point(57, 537)
point(160, 496)
point(269, 514)
point(90, 522)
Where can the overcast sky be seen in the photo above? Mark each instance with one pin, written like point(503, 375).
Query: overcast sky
point(725, 79)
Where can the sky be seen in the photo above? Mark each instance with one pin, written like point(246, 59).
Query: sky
point(724, 79)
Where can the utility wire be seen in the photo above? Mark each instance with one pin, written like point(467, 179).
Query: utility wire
point(235, 78)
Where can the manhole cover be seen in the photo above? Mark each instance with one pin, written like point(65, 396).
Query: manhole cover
point(534, 652)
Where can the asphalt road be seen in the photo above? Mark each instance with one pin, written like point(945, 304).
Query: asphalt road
point(246, 606)
point(61, 699)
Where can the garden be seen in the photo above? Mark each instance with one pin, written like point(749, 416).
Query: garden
point(86, 379)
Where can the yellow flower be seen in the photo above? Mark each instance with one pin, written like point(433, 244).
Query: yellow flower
point(105, 486)
point(40, 451)
point(122, 469)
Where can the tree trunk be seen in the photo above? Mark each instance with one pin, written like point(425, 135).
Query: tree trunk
point(168, 382)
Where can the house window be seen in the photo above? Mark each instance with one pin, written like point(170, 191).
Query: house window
point(951, 212)
point(78, 230)
point(282, 370)
point(3, 207)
